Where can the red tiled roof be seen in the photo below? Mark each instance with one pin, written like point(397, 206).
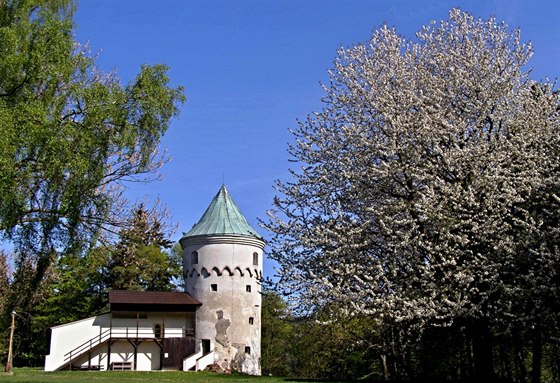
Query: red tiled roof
point(151, 297)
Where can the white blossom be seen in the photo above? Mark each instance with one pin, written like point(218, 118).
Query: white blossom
point(427, 181)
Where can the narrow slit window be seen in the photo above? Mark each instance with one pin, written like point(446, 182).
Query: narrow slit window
point(248, 288)
point(247, 350)
point(255, 259)
point(194, 257)
point(214, 287)
point(251, 320)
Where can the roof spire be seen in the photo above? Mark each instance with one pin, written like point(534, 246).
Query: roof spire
point(222, 217)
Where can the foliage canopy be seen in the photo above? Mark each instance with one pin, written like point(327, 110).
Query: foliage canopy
point(71, 135)
point(428, 189)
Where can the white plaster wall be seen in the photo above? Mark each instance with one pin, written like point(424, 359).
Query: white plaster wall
point(148, 357)
point(122, 351)
point(67, 337)
point(227, 261)
point(175, 324)
point(98, 358)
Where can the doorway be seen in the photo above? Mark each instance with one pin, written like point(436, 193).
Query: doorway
point(205, 346)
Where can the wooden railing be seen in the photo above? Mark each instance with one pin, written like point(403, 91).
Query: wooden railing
point(128, 333)
point(87, 345)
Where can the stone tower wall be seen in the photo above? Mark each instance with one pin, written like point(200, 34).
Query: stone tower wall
point(230, 315)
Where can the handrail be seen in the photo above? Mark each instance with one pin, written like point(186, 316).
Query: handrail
point(87, 345)
point(122, 332)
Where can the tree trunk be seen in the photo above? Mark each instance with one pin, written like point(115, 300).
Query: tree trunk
point(395, 373)
point(482, 352)
point(506, 370)
point(385, 368)
point(520, 371)
point(537, 356)
point(468, 361)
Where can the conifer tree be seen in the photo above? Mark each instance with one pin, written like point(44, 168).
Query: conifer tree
point(141, 259)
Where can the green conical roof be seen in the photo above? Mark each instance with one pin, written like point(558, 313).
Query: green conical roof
point(222, 217)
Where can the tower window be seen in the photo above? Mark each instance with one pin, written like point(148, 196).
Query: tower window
point(251, 320)
point(255, 259)
point(194, 257)
point(248, 288)
point(247, 350)
point(214, 287)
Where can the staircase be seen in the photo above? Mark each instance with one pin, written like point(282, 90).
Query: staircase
point(85, 347)
point(199, 360)
point(134, 334)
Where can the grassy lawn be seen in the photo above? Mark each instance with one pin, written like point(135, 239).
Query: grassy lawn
point(28, 375)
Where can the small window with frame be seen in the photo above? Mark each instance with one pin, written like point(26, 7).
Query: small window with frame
point(194, 257)
point(255, 259)
point(248, 288)
point(247, 350)
point(251, 320)
point(214, 287)
point(157, 331)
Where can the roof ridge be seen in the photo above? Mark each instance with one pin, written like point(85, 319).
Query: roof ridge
point(226, 194)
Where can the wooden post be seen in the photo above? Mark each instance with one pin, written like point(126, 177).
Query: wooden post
point(100, 341)
point(8, 367)
point(134, 345)
point(136, 341)
point(161, 356)
point(110, 340)
point(109, 355)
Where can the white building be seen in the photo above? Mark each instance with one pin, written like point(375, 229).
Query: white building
point(144, 330)
point(216, 321)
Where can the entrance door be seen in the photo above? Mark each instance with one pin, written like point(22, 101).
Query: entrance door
point(205, 346)
point(175, 350)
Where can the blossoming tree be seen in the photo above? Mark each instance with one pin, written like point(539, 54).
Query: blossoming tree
point(428, 187)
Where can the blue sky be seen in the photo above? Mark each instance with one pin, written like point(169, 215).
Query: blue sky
point(252, 68)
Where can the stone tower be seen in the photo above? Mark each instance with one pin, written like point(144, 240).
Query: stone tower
point(222, 263)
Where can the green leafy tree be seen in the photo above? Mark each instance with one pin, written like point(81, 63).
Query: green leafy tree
point(326, 344)
point(75, 286)
point(330, 344)
point(74, 290)
point(175, 260)
point(71, 135)
point(277, 346)
point(30, 341)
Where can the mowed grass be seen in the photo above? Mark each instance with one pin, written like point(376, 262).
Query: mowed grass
point(28, 375)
